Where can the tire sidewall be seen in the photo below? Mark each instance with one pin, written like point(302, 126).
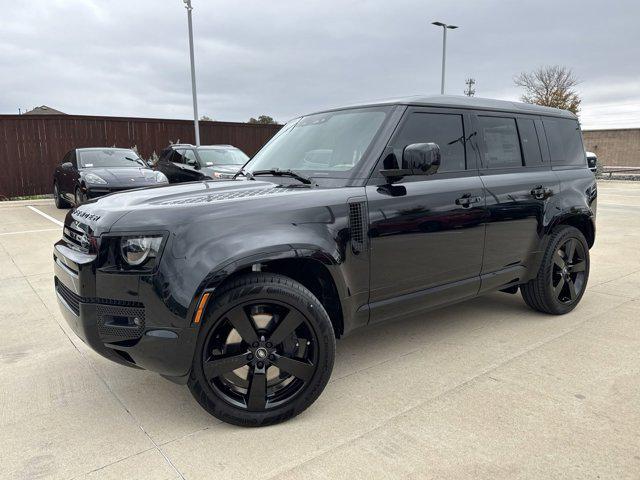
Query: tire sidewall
point(299, 299)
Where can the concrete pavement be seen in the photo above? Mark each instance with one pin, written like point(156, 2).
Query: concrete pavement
point(483, 389)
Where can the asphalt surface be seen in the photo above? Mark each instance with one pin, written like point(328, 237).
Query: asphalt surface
point(483, 389)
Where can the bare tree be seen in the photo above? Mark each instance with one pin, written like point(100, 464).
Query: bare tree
point(551, 86)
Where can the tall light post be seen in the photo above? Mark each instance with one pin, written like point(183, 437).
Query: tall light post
point(445, 27)
point(187, 4)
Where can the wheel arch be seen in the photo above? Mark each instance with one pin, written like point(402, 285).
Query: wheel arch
point(583, 221)
point(315, 269)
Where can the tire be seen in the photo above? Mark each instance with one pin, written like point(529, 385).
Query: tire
point(59, 201)
point(563, 275)
point(79, 197)
point(257, 322)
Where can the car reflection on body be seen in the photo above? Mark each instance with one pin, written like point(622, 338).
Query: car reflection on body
point(86, 173)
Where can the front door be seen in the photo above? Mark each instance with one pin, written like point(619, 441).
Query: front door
point(426, 232)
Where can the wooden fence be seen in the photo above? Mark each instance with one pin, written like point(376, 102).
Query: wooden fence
point(31, 146)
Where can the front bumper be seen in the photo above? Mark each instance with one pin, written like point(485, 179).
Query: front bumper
point(116, 319)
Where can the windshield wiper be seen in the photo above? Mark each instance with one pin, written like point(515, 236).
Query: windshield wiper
point(243, 172)
point(134, 160)
point(283, 173)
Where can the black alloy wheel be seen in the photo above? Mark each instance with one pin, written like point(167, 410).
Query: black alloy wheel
point(80, 197)
point(568, 275)
point(59, 201)
point(264, 354)
point(563, 274)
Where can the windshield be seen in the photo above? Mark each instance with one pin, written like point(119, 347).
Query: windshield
point(326, 144)
point(222, 156)
point(110, 158)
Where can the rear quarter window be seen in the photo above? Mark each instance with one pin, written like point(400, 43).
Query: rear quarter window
point(565, 141)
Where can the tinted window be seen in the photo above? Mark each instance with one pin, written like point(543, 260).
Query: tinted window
point(190, 157)
point(177, 156)
point(445, 130)
point(501, 142)
point(565, 141)
point(529, 142)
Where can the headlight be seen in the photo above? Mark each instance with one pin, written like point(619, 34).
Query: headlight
point(161, 178)
point(95, 179)
point(137, 250)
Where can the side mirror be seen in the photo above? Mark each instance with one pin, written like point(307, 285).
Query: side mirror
point(67, 166)
point(417, 159)
point(592, 161)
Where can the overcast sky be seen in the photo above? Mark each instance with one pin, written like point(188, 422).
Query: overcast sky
point(284, 57)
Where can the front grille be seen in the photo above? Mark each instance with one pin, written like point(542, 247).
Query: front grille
point(76, 238)
point(72, 299)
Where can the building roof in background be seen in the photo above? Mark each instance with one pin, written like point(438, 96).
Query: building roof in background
point(44, 110)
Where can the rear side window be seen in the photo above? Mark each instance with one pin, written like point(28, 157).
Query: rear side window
point(529, 142)
point(501, 141)
point(445, 130)
point(565, 141)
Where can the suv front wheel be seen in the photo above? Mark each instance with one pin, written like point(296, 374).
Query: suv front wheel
point(264, 353)
point(563, 274)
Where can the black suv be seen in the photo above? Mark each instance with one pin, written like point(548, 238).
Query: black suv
point(183, 162)
point(345, 218)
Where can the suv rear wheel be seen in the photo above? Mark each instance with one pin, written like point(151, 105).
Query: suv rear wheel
point(563, 274)
point(264, 353)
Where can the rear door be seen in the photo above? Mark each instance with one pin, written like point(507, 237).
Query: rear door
point(518, 185)
point(426, 231)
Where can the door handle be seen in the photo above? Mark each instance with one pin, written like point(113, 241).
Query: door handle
point(541, 192)
point(466, 200)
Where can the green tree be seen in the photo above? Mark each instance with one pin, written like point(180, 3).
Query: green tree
point(551, 86)
point(205, 118)
point(264, 119)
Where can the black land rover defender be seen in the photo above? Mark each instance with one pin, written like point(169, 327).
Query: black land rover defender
point(345, 218)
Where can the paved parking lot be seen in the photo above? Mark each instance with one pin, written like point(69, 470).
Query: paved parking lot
point(484, 389)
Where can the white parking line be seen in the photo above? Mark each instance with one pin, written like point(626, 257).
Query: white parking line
point(30, 231)
point(48, 217)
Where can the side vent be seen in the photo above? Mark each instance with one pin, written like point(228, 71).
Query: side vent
point(357, 226)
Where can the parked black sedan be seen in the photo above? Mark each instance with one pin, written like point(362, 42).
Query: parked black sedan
point(186, 163)
point(86, 173)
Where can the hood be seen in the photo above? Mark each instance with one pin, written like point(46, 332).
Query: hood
point(192, 193)
point(124, 176)
point(173, 207)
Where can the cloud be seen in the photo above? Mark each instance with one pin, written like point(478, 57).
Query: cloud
point(288, 57)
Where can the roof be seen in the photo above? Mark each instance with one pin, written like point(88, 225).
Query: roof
point(44, 110)
point(462, 101)
point(182, 145)
point(84, 149)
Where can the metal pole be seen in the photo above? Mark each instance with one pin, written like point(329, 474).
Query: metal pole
point(193, 73)
point(444, 56)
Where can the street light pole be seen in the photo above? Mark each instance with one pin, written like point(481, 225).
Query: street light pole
point(188, 6)
point(445, 27)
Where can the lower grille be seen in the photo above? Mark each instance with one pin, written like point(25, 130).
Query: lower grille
point(117, 319)
point(120, 322)
point(72, 299)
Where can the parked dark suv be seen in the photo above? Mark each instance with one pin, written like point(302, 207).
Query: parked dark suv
point(184, 162)
point(345, 218)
